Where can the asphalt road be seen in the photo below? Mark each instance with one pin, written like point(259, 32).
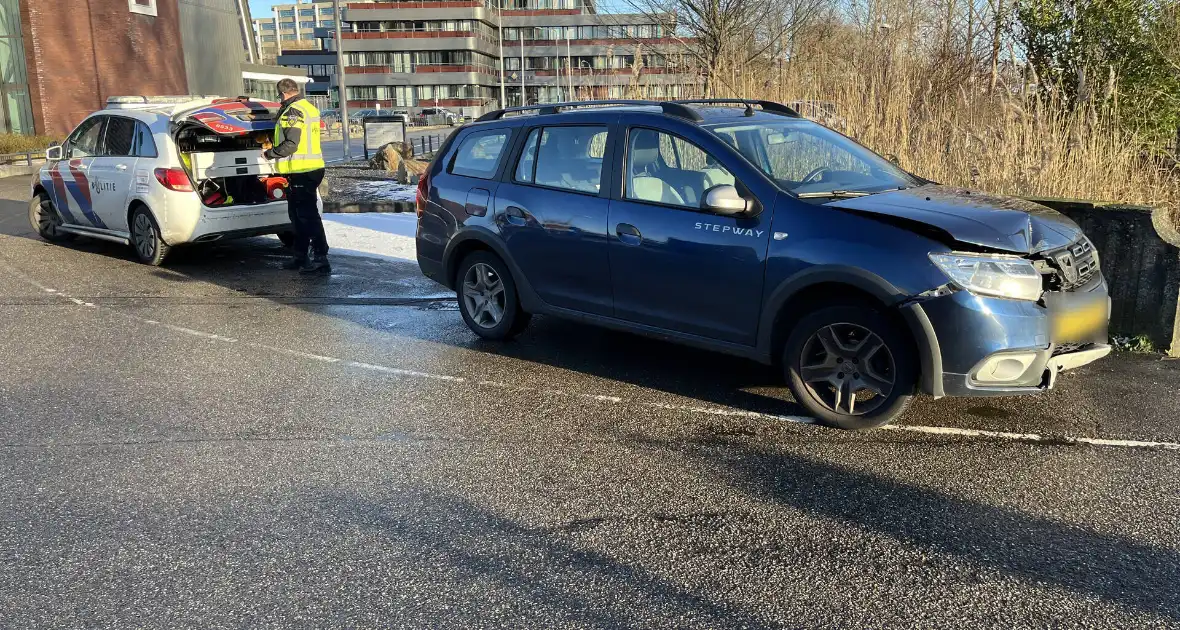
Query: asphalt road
point(221, 444)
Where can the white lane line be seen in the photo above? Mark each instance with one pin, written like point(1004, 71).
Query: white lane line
point(716, 411)
point(401, 372)
point(713, 411)
point(1033, 437)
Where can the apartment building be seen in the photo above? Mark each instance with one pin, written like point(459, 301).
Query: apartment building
point(292, 27)
point(411, 55)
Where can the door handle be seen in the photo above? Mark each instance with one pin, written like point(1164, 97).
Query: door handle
point(516, 216)
point(628, 234)
point(120, 167)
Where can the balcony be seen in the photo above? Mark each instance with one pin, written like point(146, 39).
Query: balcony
point(409, 35)
point(442, 4)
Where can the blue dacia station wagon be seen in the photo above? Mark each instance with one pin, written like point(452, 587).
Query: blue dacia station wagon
point(740, 227)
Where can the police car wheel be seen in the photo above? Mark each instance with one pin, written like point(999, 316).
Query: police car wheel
point(45, 220)
point(145, 238)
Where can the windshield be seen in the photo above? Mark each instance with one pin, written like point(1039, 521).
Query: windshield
point(806, 158)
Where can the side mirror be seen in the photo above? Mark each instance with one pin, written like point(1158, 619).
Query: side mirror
point(54, 153)
point(724, 200)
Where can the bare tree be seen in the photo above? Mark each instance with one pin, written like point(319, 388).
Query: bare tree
point(720, 37)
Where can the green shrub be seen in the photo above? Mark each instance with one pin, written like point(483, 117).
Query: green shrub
point(17, 143)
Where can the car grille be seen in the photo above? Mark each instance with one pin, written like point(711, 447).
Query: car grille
point(1074, 265)
point(1066, 348)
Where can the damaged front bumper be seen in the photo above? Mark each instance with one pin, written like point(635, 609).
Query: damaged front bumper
point(999, 347)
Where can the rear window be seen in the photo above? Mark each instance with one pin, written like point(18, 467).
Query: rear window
point(479, 154)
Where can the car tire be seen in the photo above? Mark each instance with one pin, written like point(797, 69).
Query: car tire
point(838, 354)
point(45, 219)
point(488, 300)
point(146, 241)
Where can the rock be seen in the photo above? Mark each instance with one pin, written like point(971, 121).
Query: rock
point(409, 171)
point(390, 156)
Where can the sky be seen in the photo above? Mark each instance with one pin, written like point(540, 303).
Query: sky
point(260, 8)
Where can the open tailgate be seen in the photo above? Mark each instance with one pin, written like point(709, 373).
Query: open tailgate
point(234, 116)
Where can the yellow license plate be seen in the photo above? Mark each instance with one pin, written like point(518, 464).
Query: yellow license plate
point(1077, 317)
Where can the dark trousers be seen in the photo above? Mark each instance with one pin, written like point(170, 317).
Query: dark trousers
point(305, 216)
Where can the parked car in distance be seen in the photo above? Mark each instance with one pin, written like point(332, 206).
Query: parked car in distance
point(752, 231)
point(438, 115)
point(156, 172)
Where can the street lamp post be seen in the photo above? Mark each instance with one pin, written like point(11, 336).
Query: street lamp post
point(340, 79)
point(500, 29)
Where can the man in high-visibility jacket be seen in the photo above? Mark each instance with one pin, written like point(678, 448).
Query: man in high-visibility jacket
point(298, 157)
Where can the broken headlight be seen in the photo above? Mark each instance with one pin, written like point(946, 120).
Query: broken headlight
point(991, 274)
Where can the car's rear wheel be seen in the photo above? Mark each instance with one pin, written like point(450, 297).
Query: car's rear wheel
point(46, 220)
point(149, 246)
point(850, 367)
point(488, 299)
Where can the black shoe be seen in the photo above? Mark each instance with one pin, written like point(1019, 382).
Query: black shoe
point(295, 263)
point(317, 264)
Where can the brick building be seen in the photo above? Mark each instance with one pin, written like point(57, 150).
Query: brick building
point(61, 59)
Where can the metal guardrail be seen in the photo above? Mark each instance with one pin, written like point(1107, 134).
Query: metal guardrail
point(28, 158)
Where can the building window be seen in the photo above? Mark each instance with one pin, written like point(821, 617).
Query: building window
point(307, 25)
point(289, 38)
point(267, 26)
point(327, 11)
point(287, 26)
point(269, 38)
point(287, 13)
point(16, 111)
point(307, 12)
point(144, 7)
point(328, 23)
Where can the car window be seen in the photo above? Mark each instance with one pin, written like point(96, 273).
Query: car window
point(479, 154)
point(806, 158)
point(564, 157)
point(120, 139)
point(145, 145)
point(87, 138)
point(667, 169)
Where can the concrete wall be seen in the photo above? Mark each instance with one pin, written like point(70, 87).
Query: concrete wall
point(211, 33)
point(80, 53)
point(1141, 266)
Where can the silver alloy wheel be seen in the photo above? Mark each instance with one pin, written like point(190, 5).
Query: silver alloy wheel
point(145, 236)
point(47, 218)
point(483, 295)
point(848, 369)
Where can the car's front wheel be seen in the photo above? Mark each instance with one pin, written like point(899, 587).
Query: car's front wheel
point(149, 246)
point(487, 297)
point(46, 220)
point(851, 367)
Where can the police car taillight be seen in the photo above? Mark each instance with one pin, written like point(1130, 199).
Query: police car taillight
point(423, 191)
point(174, 179)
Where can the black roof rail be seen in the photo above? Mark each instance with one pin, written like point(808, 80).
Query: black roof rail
point(672, 108)
point(767, 106)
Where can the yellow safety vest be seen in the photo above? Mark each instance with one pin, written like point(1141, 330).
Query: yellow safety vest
point(309, 156)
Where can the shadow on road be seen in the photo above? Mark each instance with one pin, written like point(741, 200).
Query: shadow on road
point(1033, 548)
point(547, 575)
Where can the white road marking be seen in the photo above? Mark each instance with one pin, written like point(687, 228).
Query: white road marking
point(714, 411)
point(1031, 437)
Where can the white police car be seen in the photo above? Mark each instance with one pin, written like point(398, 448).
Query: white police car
point(155, 172)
